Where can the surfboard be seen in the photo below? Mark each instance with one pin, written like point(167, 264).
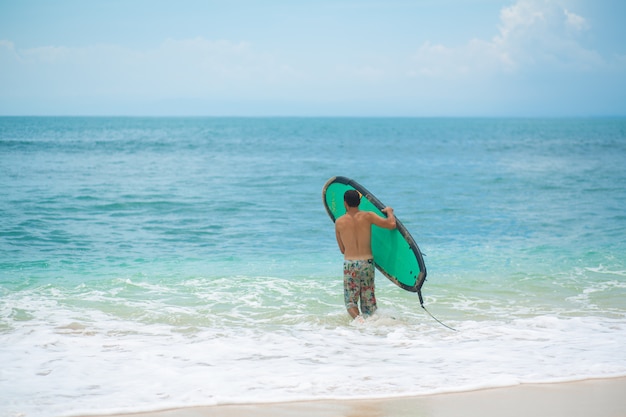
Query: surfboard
point(395, 252)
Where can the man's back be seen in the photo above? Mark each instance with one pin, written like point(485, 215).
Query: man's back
point(354, 231)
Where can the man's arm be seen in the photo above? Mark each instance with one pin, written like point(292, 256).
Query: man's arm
point(388, 222)
point(342, 248)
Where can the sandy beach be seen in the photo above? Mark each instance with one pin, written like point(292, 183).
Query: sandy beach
point(597, 398)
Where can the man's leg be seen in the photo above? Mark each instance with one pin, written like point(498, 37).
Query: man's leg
point(368, 289)
point(351, 288)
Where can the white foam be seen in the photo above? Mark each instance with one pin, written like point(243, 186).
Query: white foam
point(190, 344)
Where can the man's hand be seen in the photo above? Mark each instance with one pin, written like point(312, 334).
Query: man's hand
point(388, 211)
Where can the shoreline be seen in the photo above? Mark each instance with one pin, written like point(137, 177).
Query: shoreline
point(590, 397)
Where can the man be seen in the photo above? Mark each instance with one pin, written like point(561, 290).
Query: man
point(354, 236)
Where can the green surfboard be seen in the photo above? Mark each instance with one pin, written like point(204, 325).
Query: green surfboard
point(396, 254)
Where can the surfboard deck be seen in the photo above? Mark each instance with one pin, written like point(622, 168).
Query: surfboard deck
point(395, 252)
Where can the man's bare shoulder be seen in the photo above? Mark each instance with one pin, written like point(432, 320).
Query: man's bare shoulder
point(366, 216)
point(341, 220)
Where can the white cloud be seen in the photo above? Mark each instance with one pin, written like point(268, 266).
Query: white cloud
point(574, 21)
point(4, 44)
point(520, 17)
point(7, 54)
point(183, 68)
point(532, 40)
point(440, 61)
point(46, 54)
point(533, 35)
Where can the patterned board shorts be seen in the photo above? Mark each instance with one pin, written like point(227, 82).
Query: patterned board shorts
point(358, 285)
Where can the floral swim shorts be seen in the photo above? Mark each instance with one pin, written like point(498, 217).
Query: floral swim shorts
point(358, 285)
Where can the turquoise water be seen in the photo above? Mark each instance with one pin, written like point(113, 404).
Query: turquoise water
point(155, 262)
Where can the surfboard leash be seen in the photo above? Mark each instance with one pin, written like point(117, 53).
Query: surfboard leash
point(419, 293)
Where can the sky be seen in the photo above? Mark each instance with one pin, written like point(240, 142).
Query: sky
point(406, 58)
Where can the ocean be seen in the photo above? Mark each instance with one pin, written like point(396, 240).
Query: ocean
point(148, 263)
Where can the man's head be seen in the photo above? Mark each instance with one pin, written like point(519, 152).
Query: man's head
point(352, 198)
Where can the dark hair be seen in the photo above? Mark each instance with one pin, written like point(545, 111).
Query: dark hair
point(352, 197)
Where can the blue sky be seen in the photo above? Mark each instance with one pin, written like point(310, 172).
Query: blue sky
point(313, 58)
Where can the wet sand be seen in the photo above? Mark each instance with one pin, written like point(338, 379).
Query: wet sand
point(597, 398)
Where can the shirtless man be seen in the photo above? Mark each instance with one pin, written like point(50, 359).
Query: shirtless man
point(354, 236)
